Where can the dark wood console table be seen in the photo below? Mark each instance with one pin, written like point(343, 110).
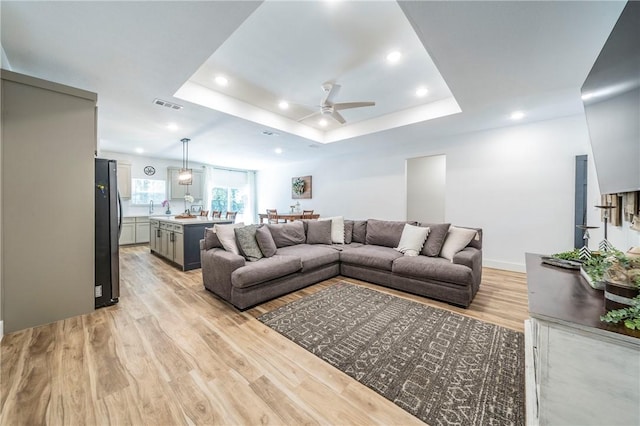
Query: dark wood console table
point(579, 370)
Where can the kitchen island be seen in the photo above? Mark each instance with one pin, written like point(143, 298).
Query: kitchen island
point(178, 240)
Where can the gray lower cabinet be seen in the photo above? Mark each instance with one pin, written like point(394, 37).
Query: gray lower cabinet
point(135, 230)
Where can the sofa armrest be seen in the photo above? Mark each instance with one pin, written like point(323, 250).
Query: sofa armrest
point(202, 244)
point(217, 266)
point(471, 258)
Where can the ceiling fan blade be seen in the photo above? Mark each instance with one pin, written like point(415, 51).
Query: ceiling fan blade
point(336, 116)
point(334, 89)
point(313, 114)
point(347, 105)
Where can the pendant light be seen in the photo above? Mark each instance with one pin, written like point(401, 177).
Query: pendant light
point(185, 176)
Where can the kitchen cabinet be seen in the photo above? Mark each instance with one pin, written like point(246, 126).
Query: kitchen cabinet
point(128, 231)
point(578, 370)
point(124, 180)
point(177, 191)
point(178, 240)
point(135, 230)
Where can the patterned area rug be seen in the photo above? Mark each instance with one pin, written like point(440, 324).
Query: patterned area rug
point(444, 368)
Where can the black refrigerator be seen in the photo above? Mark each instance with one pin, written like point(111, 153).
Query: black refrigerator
point(108, 223)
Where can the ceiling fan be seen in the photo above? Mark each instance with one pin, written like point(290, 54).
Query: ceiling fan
point(328, 107)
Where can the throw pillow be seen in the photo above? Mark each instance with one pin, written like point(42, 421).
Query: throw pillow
point(359, 231)
point(265, 241)
point(247, 243)
point(384, 233)
point(435, 240)
point(287, 234)
point(337, 228)
point(457, 239)
point(227, 237)
point(412, 240)
point(319, 232)
point(348, 231)
point(211, 239)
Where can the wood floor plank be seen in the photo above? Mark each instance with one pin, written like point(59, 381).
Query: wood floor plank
point(172, 353)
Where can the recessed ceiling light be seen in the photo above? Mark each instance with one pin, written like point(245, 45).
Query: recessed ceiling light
point(517, 115)
point(139, 150)
point(421, 91)
point(394, 57)
point(172, 126)
point(283, 105)
point(221, 80)
point(278, 150)
point(587, 96)
point(323, 122)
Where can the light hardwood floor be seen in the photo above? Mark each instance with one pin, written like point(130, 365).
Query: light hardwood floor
point(172, 353)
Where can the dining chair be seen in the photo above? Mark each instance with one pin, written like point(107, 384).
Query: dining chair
point(204, 213)
point(231, 216)
point(272, 216)
point(215, 214)
point(307, 214)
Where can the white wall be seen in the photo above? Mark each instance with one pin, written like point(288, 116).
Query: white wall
point(517, 183)
point(426, 188)
point(138, 163)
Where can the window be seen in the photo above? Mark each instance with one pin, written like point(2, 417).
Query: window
point(229, 199)
point(144, 191)
point(232, 191)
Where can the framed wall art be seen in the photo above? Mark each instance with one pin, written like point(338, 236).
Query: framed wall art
point(301, 187)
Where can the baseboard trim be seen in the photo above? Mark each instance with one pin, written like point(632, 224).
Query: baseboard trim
point(1, 330)
point(507, 266)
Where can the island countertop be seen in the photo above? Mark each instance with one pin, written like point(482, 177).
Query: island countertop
point(198, 220)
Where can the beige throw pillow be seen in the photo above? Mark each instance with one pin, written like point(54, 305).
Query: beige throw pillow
point(412, 240)
point(227, 236)
point(457, 239)
point(337, 228)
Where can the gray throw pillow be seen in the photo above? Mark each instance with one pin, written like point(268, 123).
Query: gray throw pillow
point(348, 231)
point(319, 232)
point(384, 233)
point(211, 239)
point(247, 243)
point(265, 241)
point(287, 234)
point(359, 231)
point(435, 239)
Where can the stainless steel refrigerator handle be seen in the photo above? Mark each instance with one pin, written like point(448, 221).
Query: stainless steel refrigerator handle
point(119, 215)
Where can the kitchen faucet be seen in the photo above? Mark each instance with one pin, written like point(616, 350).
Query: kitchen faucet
point(151, 206)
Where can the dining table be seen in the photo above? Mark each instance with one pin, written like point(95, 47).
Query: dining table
point(288, 217)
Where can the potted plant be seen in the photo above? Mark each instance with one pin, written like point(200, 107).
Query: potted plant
point(622, 290)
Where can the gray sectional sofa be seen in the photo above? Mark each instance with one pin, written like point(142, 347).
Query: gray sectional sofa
point(275, 259)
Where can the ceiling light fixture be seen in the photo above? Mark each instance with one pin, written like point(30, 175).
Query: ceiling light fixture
point(172, 126)
point(185, 176)
point(323, 122)
point(139, 150)
point(283, 105)
point(278, 150)
point(587, 96)
point(394, 57)
point(421, 91)
point(517, 115)
point(221, 80)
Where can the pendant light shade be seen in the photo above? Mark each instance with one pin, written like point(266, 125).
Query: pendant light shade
point(185, 176)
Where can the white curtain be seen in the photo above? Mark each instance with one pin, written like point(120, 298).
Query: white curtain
point(208, 187)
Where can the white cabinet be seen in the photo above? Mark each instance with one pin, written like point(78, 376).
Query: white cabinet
point(154, 235)
point(124, 180)
point(128, 231)
point(167, 240)
point(135, 230)
point(177, 191)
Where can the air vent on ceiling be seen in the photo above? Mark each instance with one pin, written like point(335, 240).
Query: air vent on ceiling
point(269, 133)
point(167, 104)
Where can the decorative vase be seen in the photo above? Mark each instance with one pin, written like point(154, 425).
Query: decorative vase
point(167, 212)
point(621, 280)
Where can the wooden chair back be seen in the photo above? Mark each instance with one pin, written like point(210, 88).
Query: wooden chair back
point(204, 213)
point(307, 214)
point(272, 216)
point(232, 216)
point(215, 214)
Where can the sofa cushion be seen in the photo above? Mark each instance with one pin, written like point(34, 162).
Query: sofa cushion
point(265, 270)
point(337, 228)
point(312, 256)
point(412, 240)
point(287, 234)
point(433, 268)
point(385, 233)
point(319, 232)
point(247, 243)
point(371, 256)
point(348, 231)
point(211, 239)
point(227, 236)
point(265, 241)
point(435, 240)
point(359, 231)
point(457, 239)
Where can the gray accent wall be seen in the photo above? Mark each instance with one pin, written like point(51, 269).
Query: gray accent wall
point(48, 143)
